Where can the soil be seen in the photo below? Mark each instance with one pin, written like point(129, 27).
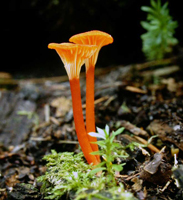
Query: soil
point(147, 99)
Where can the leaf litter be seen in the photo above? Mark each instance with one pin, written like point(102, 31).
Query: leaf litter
point(146, 106)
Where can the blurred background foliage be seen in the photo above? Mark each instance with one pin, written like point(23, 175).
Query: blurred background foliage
point(159, 39)
point(28, 26)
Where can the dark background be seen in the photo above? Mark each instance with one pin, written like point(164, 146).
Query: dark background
point(29, 25)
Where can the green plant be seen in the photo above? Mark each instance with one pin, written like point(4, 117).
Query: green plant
point(30, 115)
point(69, 173)
point(159, 39)
point(133, 145)
point(110, 151)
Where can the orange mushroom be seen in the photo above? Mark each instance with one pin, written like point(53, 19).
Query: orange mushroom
point(100, 39)
point(73, 57)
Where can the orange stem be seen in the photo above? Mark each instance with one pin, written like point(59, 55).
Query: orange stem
point(79, 122)
point(90, 108)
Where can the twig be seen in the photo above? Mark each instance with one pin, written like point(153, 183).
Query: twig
point(135, 89)
point(97, 101)
point(54, 120)
point(133, 129)
point(109, 85)
point(60, 141)
point(155, 63)
point(150, 146)
point(47, 112)
point(127, 179)
point(162, 71)
point(109, 100)
point(165, 187)
point(39, 139)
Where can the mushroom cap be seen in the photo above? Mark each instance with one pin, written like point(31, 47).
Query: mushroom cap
point(73, 56)
point(94, 37)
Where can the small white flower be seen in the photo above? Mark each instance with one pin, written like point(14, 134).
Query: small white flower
point(75, 174)
point(120, 190)
point(107, 129)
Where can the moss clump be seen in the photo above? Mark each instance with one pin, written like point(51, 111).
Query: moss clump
point(68, 173)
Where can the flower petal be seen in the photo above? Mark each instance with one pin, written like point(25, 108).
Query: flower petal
point(100, 131)
point(107, 129)
point(93, 134)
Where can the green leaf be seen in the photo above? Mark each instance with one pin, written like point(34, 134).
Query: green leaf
point(115, 133)
point(165, 6)
point(119, 131)
point(96, 153)
point(153, 3)
point(101, 144)
point(115, 145)
point(101, 164)
point(118, 167)
point(146, 9)
point(96, 170)
point(145, 25)
point(125, 108)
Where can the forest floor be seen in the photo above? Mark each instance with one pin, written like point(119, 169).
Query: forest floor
point(147, 99)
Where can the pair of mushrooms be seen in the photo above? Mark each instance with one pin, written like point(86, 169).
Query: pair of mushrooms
point(84, 48)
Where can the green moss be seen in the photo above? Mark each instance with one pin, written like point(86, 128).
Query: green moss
point(68, 173)
point(65, 171)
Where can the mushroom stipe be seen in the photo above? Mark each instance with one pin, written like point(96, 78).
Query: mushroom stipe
point(79, 122)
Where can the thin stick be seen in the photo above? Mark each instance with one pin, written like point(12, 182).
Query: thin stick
point(150, 146)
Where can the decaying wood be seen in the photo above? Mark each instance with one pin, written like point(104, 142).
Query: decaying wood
point(14, 127)
point(133, 129)
point(167, 133)
point(156, 171)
